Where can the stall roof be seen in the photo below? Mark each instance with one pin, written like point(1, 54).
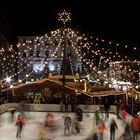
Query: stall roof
point(70, 87)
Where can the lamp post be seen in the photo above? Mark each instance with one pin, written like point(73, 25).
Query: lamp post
point(8, 80)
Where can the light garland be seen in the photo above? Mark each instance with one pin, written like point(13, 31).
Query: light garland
point(92, 50)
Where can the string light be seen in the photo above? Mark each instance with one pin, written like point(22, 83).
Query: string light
point(88, 52)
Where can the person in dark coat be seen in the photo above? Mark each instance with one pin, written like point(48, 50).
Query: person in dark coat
point(79, 114)
point(106, 108)
point(12, 111)
point(66, 103)
point(113, 127)
point(67, 124)
point(127, 135)
point(117, 103)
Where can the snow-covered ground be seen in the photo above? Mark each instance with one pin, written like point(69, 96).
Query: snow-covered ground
point(35, 122)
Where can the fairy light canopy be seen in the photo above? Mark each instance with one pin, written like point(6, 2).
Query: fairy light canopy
point(97, 53)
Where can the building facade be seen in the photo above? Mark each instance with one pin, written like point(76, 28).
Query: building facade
point(39, 56)
point(127, 71)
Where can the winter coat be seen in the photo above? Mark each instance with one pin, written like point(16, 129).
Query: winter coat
point(113, 126)
point(43, 133)
point(101, 127)
point(123, 114)
point(20, 122)
point(67, 121)
point(135, 124)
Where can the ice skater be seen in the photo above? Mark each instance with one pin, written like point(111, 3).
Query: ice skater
point(67, 124)
point(19, 123)
point(101, 128)
point(113, 127)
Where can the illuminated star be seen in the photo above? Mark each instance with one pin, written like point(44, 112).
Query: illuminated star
point(64, 17)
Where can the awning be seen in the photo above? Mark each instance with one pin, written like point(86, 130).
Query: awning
point(70, 87)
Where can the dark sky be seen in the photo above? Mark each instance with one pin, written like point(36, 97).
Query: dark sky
point(113, 21)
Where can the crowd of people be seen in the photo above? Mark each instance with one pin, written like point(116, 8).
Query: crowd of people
point(72, 125)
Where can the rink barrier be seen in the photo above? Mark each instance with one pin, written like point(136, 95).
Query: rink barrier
point(53, 108)
point(49, 107)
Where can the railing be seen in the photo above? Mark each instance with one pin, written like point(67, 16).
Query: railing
point(53, 108)
point(48, 107)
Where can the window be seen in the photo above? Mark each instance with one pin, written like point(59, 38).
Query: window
point(37, 41)
point(24, 54)
point(69, 42)
point(24, 40)
point(31, 53)
point(24, 66)
point(38, 54)
point(69, 53)
point(47, 53)
point(79, 42)
point(55, 42)
point(38, 66)
point(46, 43)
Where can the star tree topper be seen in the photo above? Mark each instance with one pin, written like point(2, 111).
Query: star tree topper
point(64, 17)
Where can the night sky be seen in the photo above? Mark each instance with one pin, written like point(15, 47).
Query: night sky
point(115, 21)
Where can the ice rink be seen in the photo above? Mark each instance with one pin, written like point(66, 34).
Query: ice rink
point(35, 120)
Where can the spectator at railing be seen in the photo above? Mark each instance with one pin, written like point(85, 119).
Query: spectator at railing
point(106, 108)
point(117, 103)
